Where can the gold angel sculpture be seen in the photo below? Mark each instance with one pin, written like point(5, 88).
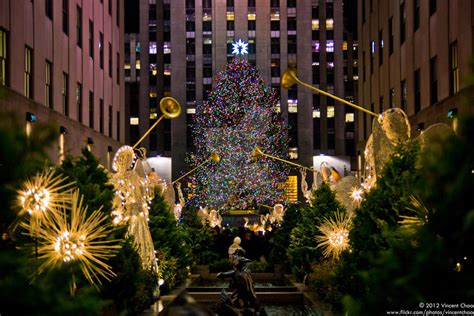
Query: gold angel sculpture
point(133, 195)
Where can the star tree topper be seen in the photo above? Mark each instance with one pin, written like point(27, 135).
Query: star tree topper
point(240, 47)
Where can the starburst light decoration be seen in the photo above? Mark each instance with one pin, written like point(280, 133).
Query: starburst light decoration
point(335, 235)
point(70, 236)
point(356, 195)
point(41, 196)
point(240, 47)
point(133, 195)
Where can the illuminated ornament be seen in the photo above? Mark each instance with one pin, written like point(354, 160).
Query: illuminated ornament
point(240, 47)
point(133, 195)
point(335, 235)
point(41, 196)
point(211, 218)
point(70, 236)
point(356, 195)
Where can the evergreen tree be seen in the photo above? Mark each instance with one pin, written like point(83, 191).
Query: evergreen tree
point(170, 243)
point(199, 237)
point(91, 179)
point(377, 218)
point(238, 116)
point(431, 263)
point(302, 250)
point(281, 238)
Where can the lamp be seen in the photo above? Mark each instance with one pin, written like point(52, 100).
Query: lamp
point(213, 156)
point(289, 78)
point(30, 117)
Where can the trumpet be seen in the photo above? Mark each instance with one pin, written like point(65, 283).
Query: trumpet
point(170, 108)
point(212, 157)
point(257, 153)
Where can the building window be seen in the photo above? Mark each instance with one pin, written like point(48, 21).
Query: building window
point(432, 7)
point(111, 120)
point(403, 18)
point(372, 56)
point(64, 93)
point(118, 125)
point(101, 116)
point(417, 90)
point(416, 14)
point(91, 39)
point(118, 68)
point(453, 69)
point(110, 7)
point(91, 109)
point(363, 66)
point(28, 75)
point(390, 36)
point(3, 57)
point(117, 6)
point(381, 45)
point(381, 105)
point(110, 60)
point(363, 12)
point(433, 80)
point(101, 50)
point(48, 8)
point(403, 95)
point(48, 93)
point(391, 95)
point(79, 102)
point(79, 25)
point(66, 17)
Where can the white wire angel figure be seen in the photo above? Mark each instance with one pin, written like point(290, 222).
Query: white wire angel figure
point(133, 195)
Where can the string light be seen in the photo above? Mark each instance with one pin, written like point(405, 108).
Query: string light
point(356, 195)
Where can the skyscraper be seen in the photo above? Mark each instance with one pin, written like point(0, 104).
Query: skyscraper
point(176, 47)
point(61, 61)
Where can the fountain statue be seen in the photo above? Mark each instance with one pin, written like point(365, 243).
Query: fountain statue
point(242, 301)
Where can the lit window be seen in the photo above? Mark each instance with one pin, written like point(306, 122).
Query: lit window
point(251, 16)
point(344, 45)
point(329, 46)
point(230, 16)
point(315, 46)
point(126, 66)
point(291, 187)
point(166, 48)
point(275, 16)
point(153, 116)
point(137, 64)
point(153, 48)
point(152, 94)
point(207, 40)
point(349, 117)
point(330, 112)
point(329, 24)
point(191, 111)
point(317, 113)
point(206, 17)
point(293, 152)
point(315, 25)
point(134, 121)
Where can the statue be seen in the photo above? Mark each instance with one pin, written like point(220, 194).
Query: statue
point(242, 300)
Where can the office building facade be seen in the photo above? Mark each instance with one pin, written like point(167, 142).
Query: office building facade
point(415, 55)
point(62, 62)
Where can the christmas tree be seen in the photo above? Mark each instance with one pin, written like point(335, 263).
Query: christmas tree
point(240, 114)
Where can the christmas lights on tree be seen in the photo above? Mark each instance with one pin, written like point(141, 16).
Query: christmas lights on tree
point(240, 114)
